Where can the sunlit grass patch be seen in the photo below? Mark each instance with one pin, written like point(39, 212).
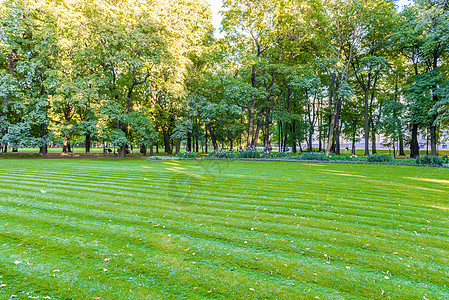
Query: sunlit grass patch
point(222, 229)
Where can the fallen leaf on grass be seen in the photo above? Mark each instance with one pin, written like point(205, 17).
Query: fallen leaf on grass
point(252, 289)
point(386, 277)
point(2, 285)
point(17, 262)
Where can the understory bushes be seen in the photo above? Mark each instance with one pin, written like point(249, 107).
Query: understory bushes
point(250, 152)
point(254, 153)
point(383, 158)
point(276, 155)
point(431, 160)
point(222, 154)
point(187, 155)
point(312, 156)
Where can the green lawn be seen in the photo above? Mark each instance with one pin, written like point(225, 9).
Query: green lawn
point(135, 229)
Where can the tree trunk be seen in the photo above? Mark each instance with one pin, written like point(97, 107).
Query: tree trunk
point(168, 149)
point(373, 141)
point(178, 146)
point(256, 137)
point(394, 148)
point(309, 147)
point(266, 140)
point(65, 146)
point(122, 151)
point(87, 142)
point(401, 146)
point(197, 146)
point(280, 144)
point(286, 131)
point(332, 115)
point(189, 143)
point(330, 141)
point(143, 150)
point(212, 137)
point(251, 113)
point(43, 148)
point(367, 122)
point(294, 136)
point(353, 145)
point(414, 147)
point(205, 137)
point(433, 137)
point(338, 126)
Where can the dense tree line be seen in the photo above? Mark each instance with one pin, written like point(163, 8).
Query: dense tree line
point(291, 72)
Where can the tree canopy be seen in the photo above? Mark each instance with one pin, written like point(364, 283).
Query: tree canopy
point(150, 73)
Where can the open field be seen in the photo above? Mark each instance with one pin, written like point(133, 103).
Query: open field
point(135, 229)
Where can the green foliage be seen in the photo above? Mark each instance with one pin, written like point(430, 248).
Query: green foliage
point(445, 159)
point(312, 156)
point(430, 160)
point(382, 158)
point(187, 155)
point(118, 138)
point(249, 152)
point(275, 155)
point(223, 154)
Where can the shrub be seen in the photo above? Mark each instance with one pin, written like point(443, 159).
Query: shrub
point(250, 152)
point(187, 155)
point(312, 156)
point(155, 158)
point(430, 160)
point(222, 154)
point(347, 158)
point(383, 158)
point(275, 155)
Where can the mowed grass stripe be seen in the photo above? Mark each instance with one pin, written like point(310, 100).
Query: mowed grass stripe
point(277, 218)
point(289, 220)
point(276, 246)
point(81, 188)
point(412, 238)
point(309, 264)
point(217, 212)
point(147, 250)
point(155, 194)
